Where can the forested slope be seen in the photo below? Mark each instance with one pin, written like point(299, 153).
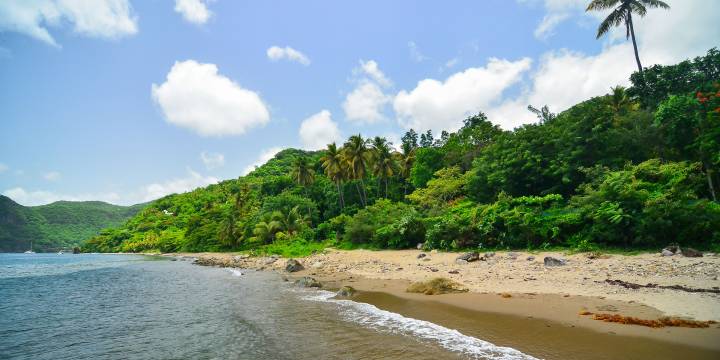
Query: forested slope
point(636, 168)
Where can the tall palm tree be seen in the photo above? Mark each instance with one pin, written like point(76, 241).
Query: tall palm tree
point(620, 101)
point(622, 11)
point(405, 159)
point(358, 157)
point(332, 163)
point(303, 174)
point(383, 163)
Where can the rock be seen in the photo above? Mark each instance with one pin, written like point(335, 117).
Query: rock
point(530, 258)
point(293, 265)
point(421, 255)
point(488, 255)
point(241, 257)
point(346, 291)
point(469, 256)
point(512, 256)
point(307, 281)
point(420, 246)
point(454, 271)
point(666, 252)
point(690, 252)
point(318, 265)
point(434, 270)
point(270, 261)
point(461, 262)
point(551, 261)
point(426, 259)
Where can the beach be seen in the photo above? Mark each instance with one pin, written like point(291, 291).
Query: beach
point(518, 286)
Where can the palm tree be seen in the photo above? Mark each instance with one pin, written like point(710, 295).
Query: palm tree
point(383, 163)
point(357, 155)
point(265, 230)
point(543, 114)
point(405, 159)
point(332, 163)
point(622, 14)
point(620, 102)
point(303, 174)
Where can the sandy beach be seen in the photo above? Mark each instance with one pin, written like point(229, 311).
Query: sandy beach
point(519, 285)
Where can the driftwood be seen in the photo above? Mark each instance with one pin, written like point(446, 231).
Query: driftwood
point(629, 285)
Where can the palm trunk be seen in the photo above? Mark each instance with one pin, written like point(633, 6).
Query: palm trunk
point(340, 195)
point(708, 173)
point(364, 194)
point(386, 188)
point(362, 200)
point(632, 33)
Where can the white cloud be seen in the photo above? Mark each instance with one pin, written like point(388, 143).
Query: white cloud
point(415, 53)
point(194, 11)
point(94, 18)
point(3, 168)
point(319, 130)
point(52, 176)
point(371, 69)
point(365, 103)
point(564, 78)
point(42, 197)
point(264, 157)
point(557, 11)
point(177, 186)
point(197, 97)
point(452, 62)
point(276, 53)
point(212, 160)
point(442, 105)
point(548, 24)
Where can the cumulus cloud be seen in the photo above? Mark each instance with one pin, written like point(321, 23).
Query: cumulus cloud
point(52, 176)
point(195, 96)
point(564, 77)
point(264, 157)
point(366, 102)
point(212, 160)
point(191, 182)
point(319, 130)
point(442, 105)
point(194, 11)
point(276, 53)
point(42, 197)
point(94, 18)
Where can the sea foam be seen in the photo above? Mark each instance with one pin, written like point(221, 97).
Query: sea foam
point(370, 316)
point(234, 272)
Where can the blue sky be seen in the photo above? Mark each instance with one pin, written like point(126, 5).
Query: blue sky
point(125, 100)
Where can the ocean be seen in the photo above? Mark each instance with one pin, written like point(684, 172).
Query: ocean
point(94, 306)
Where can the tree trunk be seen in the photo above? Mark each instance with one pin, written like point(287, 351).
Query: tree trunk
point(364, 194)
point(308, 208)
point(362, 200)
point(386, 188)
point(340, 195)
point(632, 34)
point(710, 183)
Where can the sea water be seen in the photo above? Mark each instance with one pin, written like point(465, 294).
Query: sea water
point(94, 306)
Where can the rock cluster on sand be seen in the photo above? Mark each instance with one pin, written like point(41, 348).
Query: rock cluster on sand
point(469, 256)
point(551, 261)
point(672, 250)
point(436, 286)
point(307, 281)
point(346, 291)
point(293, 265)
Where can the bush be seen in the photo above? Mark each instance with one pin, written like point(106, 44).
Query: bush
point(385, 224)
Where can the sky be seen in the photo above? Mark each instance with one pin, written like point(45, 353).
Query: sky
point(126, 101)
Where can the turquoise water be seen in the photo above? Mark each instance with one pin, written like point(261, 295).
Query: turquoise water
point(136, 307)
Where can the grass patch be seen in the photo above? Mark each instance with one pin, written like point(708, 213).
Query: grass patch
point(436, 286)
point(295, 248)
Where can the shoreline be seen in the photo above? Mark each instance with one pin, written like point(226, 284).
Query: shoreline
point(554, 297)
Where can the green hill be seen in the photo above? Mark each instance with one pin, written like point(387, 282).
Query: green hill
point(62, 224)
point(634, 169)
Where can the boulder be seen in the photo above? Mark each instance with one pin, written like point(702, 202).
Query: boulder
point(293, 265)
point(530, 258)
point(673, 248)
point(307, 281)
point(666, 252)
point(551, 261)
point(690, 252)
point(469, 256)
point(421, 255)
point(346, 291)
point(318, 265)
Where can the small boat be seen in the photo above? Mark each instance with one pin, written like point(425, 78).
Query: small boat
point(31, 250)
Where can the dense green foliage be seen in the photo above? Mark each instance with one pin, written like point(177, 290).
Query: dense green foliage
point(60, 225)
point(636, 168)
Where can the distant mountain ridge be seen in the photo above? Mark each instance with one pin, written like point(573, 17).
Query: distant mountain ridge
point(62, 224)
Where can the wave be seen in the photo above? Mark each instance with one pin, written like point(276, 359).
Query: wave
point(373, 317)
point(234, 272)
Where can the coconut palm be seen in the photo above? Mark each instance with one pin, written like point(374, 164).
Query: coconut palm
point(383, 163)
point(405, 159)
point(357, 156)
point(332, 163)
point(620, 102)
point(302, 173)
point(265, 230)
point(543, 114)
point(622, 11)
